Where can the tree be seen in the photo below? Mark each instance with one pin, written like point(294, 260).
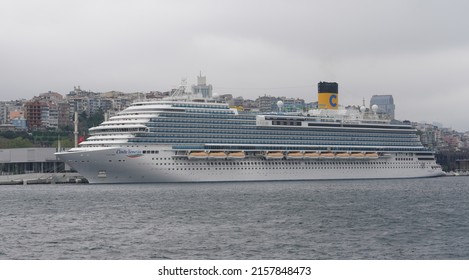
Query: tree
point(64, 143)
point(85, 122)
point(17, 142)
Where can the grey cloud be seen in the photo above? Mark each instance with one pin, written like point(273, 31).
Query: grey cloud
point(414, 50)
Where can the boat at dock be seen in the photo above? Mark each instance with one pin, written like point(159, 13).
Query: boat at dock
point(198, 140)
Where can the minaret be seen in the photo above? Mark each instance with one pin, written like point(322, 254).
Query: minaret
point(75, 132)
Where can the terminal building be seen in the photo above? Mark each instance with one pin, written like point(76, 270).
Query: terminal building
point(30, 160)
point(35, 166)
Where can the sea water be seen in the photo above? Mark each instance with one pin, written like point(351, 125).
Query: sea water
point(357, 219)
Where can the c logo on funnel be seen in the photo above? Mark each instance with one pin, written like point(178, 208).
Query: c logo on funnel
point(333, 100)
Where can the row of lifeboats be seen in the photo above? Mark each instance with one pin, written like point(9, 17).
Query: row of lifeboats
point(281, 155)
point(322, 155)
point(216, 155)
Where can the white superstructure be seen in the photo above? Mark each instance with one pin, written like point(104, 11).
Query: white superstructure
point(191, 141)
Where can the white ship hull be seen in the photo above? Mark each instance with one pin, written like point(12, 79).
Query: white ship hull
point(131, 165)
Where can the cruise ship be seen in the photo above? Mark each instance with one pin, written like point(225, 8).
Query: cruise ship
point(199, 140)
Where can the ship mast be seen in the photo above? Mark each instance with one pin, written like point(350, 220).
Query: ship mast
point(75, 132)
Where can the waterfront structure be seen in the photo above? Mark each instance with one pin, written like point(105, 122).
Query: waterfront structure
point(30, 160)
point(7, 127)
point(237, 102)
point(463, 165)
point(293, 104)
point(385, 104)
point(16, 114)
point(182, 140)
point(35, 113)
point(10, 110)
point(48, 110)
point(3, 113)
point(430, 135)
point(267, 103)
point(34, 166)
point(51, 96)
point(19, 123)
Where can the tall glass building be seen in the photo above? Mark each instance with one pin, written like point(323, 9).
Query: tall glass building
point(385, 104)
point(202, 88)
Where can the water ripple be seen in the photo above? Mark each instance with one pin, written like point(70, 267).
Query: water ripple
point(369, 219)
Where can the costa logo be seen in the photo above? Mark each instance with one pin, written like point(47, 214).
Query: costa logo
point(333, 100)
point(129, 153)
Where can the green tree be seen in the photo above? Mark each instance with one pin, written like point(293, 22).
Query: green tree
point(17, 142)
point(64, 143)
point(85, 122)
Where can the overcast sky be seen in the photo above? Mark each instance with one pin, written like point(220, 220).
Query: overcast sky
point(418, 51)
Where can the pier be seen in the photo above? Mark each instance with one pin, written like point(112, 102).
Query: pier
point(42, 178)
point(35, 166)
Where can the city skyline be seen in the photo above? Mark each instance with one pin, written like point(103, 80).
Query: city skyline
point(413, 50)
point(368, 101)
point(124, 99)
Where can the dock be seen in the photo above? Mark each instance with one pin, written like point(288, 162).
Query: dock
point(25, 166)
point(43, 178)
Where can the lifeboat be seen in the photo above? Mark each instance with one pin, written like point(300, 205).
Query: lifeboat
point(357, 155)
point(295, 155)
point(371, 155)
point(236, 155)
point(273, 155)
point(216, 155)
point(327, 155)
point(197, 155)
point(342, 155)
point(310, 155)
